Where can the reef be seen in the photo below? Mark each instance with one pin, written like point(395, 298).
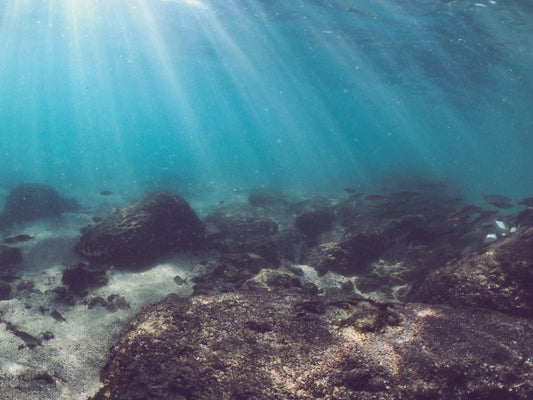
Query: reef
point(399, 294)
point(426, 308)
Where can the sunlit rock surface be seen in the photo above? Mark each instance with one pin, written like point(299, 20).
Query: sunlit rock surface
point(272, 341)
point(499, 277)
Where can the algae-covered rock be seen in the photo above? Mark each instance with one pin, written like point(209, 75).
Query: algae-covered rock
point(283, 342)
point(142, 232)
point(499, 277)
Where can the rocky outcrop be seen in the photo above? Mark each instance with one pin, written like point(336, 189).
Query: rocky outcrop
point(278, 340)
point(143, 232)
point(499, 277)
point(9, 256)
point(33, 201)
point(5, 290)
point(313, 223)
point(243, 229)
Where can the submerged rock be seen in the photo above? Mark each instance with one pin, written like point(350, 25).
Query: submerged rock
point(9, 256)
point(289, 344)
point(142, 232)
point(498, 277)
point(242, 229)
point(82, 277)
point(32, 201)
point(313, 223)
point(5, 290)
point(351, 255)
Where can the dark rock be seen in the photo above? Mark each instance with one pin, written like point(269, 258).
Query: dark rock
point(25, 289)
point(352, 255)
point(290, 245)
point(144, 231)
point(116, 302)
point(221, 279)
point(260, 344)
point(9, 256)
point(97, 301)
point(82, 277)
point(33, 201)
point(5, 290)
point(524, 218)
point(242, 229)
point(239, 222)
point(313, 223)
point(499, 277)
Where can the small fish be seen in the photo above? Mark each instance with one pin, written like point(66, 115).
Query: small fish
point(498, 201)
point(90, 248)
point(528, 202)
point(221, 202)
point(97, 219)
point(350, 190)
point(17, 239)
point(465, 213)
point(179, 280)
point(106, 193)
point(58, 317)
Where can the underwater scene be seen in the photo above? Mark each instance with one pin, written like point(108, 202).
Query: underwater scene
point(264, 199)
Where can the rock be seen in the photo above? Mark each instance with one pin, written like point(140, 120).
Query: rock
point(313, 223)
point(287, 344)
point(33, 201)
point(9, 256)
point(144, 231)
point(239, 222)
point(291, 245)
point(242, 229)
point(351, 255)
point(82, 277)
point(5, 290)
point(498, 277)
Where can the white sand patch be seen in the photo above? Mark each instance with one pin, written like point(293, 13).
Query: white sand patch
point(67, 363)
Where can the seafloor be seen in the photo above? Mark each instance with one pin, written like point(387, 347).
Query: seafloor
point(400, 293)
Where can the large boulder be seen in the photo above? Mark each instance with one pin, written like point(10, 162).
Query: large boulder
point(142, 232)
point(31, 201)
point(498, 277)
point(284, 342)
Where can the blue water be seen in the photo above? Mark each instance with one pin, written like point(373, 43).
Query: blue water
point(309, 94)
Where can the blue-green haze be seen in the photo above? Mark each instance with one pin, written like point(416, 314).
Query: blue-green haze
point(306, 94)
